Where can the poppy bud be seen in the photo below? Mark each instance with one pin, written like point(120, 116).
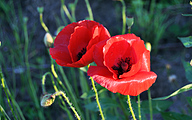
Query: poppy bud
point(40, 9)
point(48, 40)
point(190, 3)
point(129, 21)
point(190, 62)
point(148, 46)
point(0, 43)
point(47, 100)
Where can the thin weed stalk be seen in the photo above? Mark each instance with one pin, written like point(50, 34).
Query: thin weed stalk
point(32, 88)
point(139, 107)
point(130, 107)
point(123, 16)
point(89, 10)
point(150, 104)
point(4, 113)
point(66, 11)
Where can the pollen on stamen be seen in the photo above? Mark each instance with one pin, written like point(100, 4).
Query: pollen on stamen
point(80, 54)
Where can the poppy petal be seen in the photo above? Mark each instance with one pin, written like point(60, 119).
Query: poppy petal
point(146, 61)
point(98, 53)
point(60, 53)
point(79, 40)
point(64, 36)
point(133, 85)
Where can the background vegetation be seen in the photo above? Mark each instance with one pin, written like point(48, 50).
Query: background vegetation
point(24, 59)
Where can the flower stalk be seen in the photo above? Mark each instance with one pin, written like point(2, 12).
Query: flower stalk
point(89, 10)
point(97, 99)
point(139, 106)
point(150, 104)
point(130, 107)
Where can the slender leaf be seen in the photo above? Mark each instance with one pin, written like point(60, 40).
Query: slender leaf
point(189, 100)
point(157, 106)
point(187, 41)
point(188, 70)
point(187, 14)
point(91, 93)
point(105, 103)
point(175, 116)
point(183, 89)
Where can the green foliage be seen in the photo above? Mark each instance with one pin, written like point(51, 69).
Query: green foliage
point(175, 116)
point(189, 100)
point(187, 41)
point(105, 104)
point(150, 25)
point(188, 70)
point(183, 89)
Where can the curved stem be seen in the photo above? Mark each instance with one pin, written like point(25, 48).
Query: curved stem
point(67, 100)
point(130, 107)
point(139, 107)
point(56, 90)
point(150, 104)
point(89, 10)
point(42, 23)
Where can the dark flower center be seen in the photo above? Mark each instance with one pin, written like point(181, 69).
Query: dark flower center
point(122, 66)
point(80, 54)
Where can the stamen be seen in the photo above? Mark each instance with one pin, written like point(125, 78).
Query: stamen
point(80, 54)
point(123, 66)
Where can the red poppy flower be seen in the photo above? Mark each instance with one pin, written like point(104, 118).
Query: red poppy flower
point(74, 45)
point(123, 65)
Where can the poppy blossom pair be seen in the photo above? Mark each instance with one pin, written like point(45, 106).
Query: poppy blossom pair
point(123, 62)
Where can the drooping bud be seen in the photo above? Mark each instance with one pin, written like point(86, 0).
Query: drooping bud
point(47, 100)
point(148, 46)
point(48, 40)
point(129, 21)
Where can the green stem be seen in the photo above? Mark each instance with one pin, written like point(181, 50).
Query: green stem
point(139, 107)
point(97, 98)
point(150, 104)
point(130, 107)
point(67, 100)
point(73, 11)
point(123, 16)
point(66, 10)
point(42, 23)
point(89, 10)
point(4, 113)
point(6, 93)
point(56, 90)
point(28, 70)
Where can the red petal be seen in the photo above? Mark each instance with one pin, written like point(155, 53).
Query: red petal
point(99, 33)
point(79, 40)
point(114, 50)
point(64, 36)
point(133, 85)
point(146, 61)
point(88, 24)
point(139, 48)
point(98, 53)
point(61, 54)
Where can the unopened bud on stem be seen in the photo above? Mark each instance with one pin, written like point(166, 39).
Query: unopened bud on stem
point(47, 100)
point(48, 40)
point(129, 21)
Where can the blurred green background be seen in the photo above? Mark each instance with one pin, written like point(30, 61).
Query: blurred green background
point(159, 22)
